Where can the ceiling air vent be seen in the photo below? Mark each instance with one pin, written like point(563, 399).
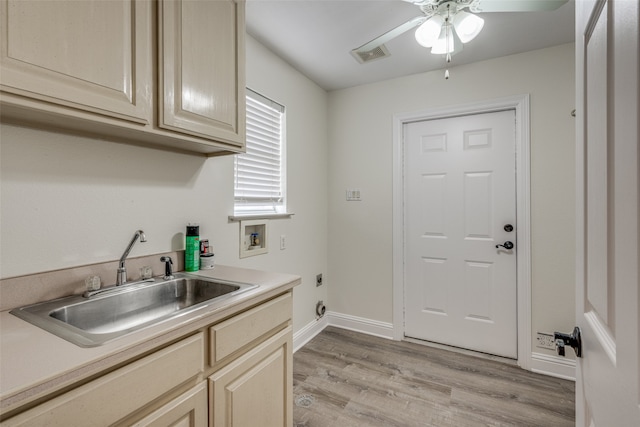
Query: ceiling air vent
point(370, 55)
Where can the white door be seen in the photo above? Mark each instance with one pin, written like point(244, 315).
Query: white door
point(460, 199)
point(607, 297)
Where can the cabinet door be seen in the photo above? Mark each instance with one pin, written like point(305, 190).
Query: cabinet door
point(188, 410)
point(120, 393)
point(256, 389)
point(201, 64)
point(90, 55)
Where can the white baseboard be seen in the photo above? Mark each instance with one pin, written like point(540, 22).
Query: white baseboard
point(344, 321)
point(360, 324)
point(307, 333)
point(554, 366)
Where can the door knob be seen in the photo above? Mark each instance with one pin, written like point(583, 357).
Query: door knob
point(507, 245)
point(573, 340)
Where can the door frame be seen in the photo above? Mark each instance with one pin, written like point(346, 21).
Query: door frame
point(520, 104)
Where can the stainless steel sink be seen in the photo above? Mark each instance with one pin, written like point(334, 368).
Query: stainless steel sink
point(89, 322)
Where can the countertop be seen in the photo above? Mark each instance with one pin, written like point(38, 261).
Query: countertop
point(35, 363)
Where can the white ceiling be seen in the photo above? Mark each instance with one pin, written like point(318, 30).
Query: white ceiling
point(316, 37)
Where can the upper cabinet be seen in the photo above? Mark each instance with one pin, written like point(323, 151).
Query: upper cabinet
point(93, 56)
point(201, 74)
point(167, 73)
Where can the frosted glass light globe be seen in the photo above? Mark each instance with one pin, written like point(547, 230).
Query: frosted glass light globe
point(427, 33)
point(467, 25)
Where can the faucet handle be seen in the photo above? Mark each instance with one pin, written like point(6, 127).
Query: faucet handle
point(168, 274)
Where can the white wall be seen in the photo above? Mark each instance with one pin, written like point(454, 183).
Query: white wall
point(68, 201)
point(360, 156)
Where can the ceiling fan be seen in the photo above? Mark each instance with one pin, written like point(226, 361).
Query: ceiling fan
point(445, 26)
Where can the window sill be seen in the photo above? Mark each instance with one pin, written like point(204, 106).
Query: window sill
point(234, 218)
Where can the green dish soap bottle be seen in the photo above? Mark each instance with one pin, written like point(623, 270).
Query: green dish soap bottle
point(192, 248)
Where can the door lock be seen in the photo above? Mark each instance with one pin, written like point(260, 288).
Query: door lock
point(573, 340)
point(508, 228)
point(507, 245)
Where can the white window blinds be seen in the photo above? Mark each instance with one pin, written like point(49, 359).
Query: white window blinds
point(259, 173)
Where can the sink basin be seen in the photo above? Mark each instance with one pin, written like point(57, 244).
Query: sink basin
point(90, 322)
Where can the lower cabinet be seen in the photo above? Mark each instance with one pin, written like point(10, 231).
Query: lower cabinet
point(115, 395)
point(256, 389)
point(188, 410)
point(237, 372)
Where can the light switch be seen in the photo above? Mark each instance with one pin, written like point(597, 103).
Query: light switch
point(353, 195)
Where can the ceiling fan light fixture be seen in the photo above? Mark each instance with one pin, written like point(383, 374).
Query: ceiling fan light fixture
point(427, 33)
point(467, 25)
point(448, 42)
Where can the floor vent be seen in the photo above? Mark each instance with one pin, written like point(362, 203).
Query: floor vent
point(370, 55)
point(305, 401)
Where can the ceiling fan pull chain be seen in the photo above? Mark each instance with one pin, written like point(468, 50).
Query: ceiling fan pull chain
point(446, 72)
point(448, 57)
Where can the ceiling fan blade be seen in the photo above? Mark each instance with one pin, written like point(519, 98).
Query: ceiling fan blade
point(519, 5)
point(391, 34)
point(497, 5)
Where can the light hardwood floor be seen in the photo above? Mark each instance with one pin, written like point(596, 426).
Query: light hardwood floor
point(343, 378)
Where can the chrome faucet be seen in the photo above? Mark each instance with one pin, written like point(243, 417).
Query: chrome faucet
point(121, 279)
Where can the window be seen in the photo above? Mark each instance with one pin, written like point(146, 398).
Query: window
point(260, 173)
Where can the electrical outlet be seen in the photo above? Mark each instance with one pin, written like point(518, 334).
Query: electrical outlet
point(545, 341)
point(318, 280)
point(283, 242)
